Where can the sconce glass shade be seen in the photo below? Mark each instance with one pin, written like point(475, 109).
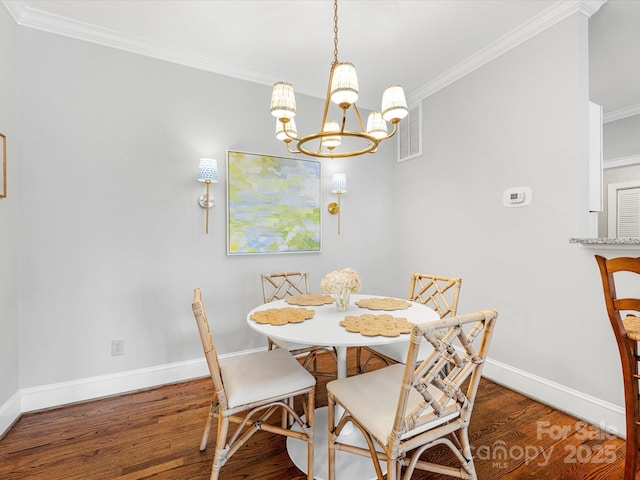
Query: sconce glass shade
point(394, 104)
point(344, 85)
point(376, 125)
point(290, 126)
point(208, 170)
point(339, 183)
point(283, 100)
point(331, 126)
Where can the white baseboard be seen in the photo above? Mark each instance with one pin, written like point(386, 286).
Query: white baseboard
point(584, 407)
point(10, 411)
point(63, 393)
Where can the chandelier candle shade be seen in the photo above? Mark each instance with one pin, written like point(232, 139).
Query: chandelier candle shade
point(207, 173)
point(343, 91)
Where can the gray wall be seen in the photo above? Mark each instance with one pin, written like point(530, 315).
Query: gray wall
point(621, 138)
point(9, 249)
point(518, 121)
point(112, 237)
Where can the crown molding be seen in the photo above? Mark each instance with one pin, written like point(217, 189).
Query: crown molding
point(549, 17)
point(33, 18)
point(621, 161)
point(625, 112)
point(589, 7)
point(15, 9)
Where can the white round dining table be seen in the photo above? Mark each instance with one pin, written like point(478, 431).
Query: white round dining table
point(324, 329)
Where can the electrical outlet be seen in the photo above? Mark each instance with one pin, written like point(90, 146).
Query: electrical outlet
point(117, 347)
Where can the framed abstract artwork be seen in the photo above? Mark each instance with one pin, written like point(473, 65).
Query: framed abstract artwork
point(273, 204)
point(3, 166)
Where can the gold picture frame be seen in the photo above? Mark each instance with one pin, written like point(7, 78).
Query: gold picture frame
point(3, 168)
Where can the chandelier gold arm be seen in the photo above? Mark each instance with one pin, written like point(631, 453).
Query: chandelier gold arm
point(290, 137)
point(289, 149)
point(328, 96)
point(355, 109)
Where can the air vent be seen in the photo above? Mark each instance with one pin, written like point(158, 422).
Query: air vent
point(629, 213)
point(410, 134)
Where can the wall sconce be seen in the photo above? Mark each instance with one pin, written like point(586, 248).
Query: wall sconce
point(207, 173)
point(338, 186)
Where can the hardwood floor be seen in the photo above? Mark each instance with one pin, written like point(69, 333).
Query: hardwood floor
point(156, 434)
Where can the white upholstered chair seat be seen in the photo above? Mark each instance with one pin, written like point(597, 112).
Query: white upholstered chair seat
point(263, 375)
point(372, 398)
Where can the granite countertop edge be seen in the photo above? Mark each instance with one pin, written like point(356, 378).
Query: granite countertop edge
point(606, 241)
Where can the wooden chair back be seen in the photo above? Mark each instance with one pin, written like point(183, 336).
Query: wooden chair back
point(618, 307)
point(209, 348)
point(437, 292)
point(276, 286)
point(623, 315)
point(457, 355)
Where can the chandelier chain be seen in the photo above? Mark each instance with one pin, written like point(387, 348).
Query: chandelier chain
point(335, 31)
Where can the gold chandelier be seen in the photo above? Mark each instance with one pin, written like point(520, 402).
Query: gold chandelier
point(343, 91)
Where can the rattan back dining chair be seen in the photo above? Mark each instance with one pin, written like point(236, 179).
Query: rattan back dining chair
point(249, 390)
point(278, 286)
point(417, 405)
point(438, 292)
point(623, 316)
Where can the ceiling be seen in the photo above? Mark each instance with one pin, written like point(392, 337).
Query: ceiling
point(422, 45)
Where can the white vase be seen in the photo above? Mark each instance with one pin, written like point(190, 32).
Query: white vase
point(342, 299)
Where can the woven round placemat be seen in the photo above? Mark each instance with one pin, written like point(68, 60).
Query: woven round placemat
point(310, 299)
point(375, 325)
point(383, 304)
point(282, 316)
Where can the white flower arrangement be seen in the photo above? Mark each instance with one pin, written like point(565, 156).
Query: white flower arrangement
point(339, 280)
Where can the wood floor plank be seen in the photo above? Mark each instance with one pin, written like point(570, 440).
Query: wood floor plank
point(156, 434)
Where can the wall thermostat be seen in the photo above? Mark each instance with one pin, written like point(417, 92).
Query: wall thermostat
point(516, 197)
